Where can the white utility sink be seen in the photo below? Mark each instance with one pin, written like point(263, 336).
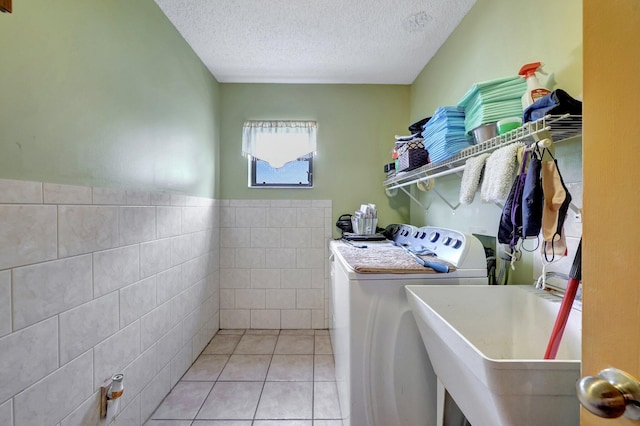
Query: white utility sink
point(487, 345)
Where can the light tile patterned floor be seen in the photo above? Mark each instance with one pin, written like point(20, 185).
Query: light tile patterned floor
point(257, 378)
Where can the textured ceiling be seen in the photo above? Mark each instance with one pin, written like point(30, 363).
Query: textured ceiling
point(322, 41)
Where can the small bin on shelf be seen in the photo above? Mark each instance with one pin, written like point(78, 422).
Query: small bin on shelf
point(412, 155)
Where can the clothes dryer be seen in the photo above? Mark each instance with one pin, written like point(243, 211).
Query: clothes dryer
point(383, 373)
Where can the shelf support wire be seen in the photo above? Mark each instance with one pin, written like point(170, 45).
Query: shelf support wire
point(413, 198)
point(433, 176)
point(453, 208)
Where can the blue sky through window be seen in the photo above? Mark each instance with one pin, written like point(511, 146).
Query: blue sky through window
point(293, 172)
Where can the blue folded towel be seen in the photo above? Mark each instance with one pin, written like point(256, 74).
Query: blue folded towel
point(444, 135)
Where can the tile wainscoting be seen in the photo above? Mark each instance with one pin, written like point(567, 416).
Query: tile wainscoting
point(97, 281)
point(273, 263)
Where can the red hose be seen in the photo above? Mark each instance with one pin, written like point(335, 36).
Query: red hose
point(565, 308)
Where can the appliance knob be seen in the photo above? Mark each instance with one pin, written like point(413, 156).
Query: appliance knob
point(457, 244)
point(433, 237)
point(447, 241)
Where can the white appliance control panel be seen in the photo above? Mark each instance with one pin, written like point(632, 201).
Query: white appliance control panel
point(445, 244)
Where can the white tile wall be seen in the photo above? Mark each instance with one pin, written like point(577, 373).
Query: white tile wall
point(46, 289)
point(27, 234)
point(85, 229)
point(136, 224)
point(20, 192)
point(168, 221)
point(96, 281)
point(168, 346)
point(85, 414)
point(169, 283)
point(178, 366)
point(6, 413)
point(112, 196)
point(272, 263)
point(87, 325)
point(139, 374)
point(130, 415)
point(154, 392)
point(114, 269)
point(138, 198)
point(55, 396)
point(28, 355)
point(160, 199)
point(5, 303)
point(155, 257)
point(155, 324)
point(137, 300)
point(66, 194)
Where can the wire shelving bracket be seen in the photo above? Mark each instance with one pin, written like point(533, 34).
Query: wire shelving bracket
point(556, 127)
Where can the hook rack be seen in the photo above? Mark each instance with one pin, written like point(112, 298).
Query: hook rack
point(540, 133)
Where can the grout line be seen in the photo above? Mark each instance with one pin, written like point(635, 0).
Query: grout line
point(255, 413)
point(12, 302)
point(216, 380)
point(313, 380)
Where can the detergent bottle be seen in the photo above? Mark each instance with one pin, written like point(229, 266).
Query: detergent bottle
point(535, 90)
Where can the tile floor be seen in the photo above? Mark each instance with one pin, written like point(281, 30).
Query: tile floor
point(257, 378)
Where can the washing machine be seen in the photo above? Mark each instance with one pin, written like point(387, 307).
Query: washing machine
point(383, 373)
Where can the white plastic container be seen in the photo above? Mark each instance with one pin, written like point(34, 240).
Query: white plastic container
point(535, 90)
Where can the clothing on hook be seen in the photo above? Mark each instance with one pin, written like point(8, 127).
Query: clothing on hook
point(535, 247)
point(556, 203)
point(557, 247)
point(510, 227)
point(532, 199)
point(541, 283)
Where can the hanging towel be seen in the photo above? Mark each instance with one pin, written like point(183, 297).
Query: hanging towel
point(471, 178)
point(499, 173)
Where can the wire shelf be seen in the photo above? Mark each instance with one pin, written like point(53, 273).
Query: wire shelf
point(556, 127)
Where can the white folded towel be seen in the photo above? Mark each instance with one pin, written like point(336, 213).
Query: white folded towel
point(471, 178)
point(499, 173)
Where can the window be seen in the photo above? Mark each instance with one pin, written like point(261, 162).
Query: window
point(280, 153)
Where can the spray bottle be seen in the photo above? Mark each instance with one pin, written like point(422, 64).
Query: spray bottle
point(535, 90)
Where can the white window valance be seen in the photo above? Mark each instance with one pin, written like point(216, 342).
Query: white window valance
point(279, 142)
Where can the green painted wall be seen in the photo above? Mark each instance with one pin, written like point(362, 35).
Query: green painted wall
point(356, 126)
point(494, 40)
point(105, 93)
